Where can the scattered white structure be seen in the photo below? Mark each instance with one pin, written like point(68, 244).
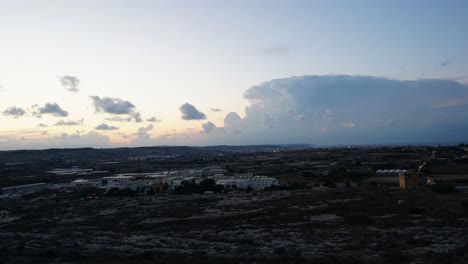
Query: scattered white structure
point(23, 189)
point(119, 181)
point(122, 182)
point(75, 171)
point(247, 181)
point(138, 181)
point(390, 171)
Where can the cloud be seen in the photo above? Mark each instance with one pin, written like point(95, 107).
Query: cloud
point(70, 123)
point(135, 116)
point(329, 116)
point(348, 124)
point(70, 83)
point(118, 119)
point(115, 106)
point(279, 50)
point(446, 62)
point(215, 109)
point(232, 119)
point(208, 127)
point(353, 109)
point(153, 119)
point(143, 138)
point(42, 125)
point(52, 109)
point(14, 112)
point(78, 139)
point(105, 126)
point(299, 117)
point(144, 130)
point(189, 112)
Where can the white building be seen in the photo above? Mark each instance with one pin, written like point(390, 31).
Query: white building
point(247, 181)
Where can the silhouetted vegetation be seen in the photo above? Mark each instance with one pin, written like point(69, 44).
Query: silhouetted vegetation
point(443, 188)
point(191, 187)
point(116, 192)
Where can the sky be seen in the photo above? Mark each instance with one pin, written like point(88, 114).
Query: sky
point(146, 73)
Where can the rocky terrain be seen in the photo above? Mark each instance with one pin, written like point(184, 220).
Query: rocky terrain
point(320, 226)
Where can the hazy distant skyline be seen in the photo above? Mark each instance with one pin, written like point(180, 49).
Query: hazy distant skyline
point(135, 73)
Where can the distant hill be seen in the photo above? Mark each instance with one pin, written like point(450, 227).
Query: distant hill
point(15, 156)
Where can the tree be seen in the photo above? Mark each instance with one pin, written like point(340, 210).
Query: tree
point(207, 185)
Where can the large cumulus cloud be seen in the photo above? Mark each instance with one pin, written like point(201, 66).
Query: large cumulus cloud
point(352, 109)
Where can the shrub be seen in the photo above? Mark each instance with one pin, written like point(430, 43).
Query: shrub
point(464, 204)
point(357, 219)
point(443, 188)
point(116, 192)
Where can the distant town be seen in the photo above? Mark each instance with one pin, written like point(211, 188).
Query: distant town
point(165, 169)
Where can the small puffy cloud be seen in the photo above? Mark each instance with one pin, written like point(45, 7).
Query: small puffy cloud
point(14, 112)
point(446, 62)
point(42, 125)
point(215, 109)
point(105, 126)
point(299, 117)
point(329, 116)
point(136, 116)
point(118, 119)
point(69, 123)
point(70, 83)
point(153, 119)
point(143, 137)
point(279, 50)
point(208, 127)
point(189, 112)
point(52, 109)
point(115, 106)
point(348, 124)
point(144, 130)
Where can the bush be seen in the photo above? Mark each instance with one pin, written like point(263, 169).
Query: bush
point(116, 192)
point(357, 219)
point(464, 203)
point(443, 188)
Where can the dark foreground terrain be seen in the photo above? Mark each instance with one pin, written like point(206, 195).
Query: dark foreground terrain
point(330, 226)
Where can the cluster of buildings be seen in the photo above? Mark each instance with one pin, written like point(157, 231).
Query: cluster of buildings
point(140, 181)
point(403, 179)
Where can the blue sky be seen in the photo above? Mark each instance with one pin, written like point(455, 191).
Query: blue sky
point(146, 60)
